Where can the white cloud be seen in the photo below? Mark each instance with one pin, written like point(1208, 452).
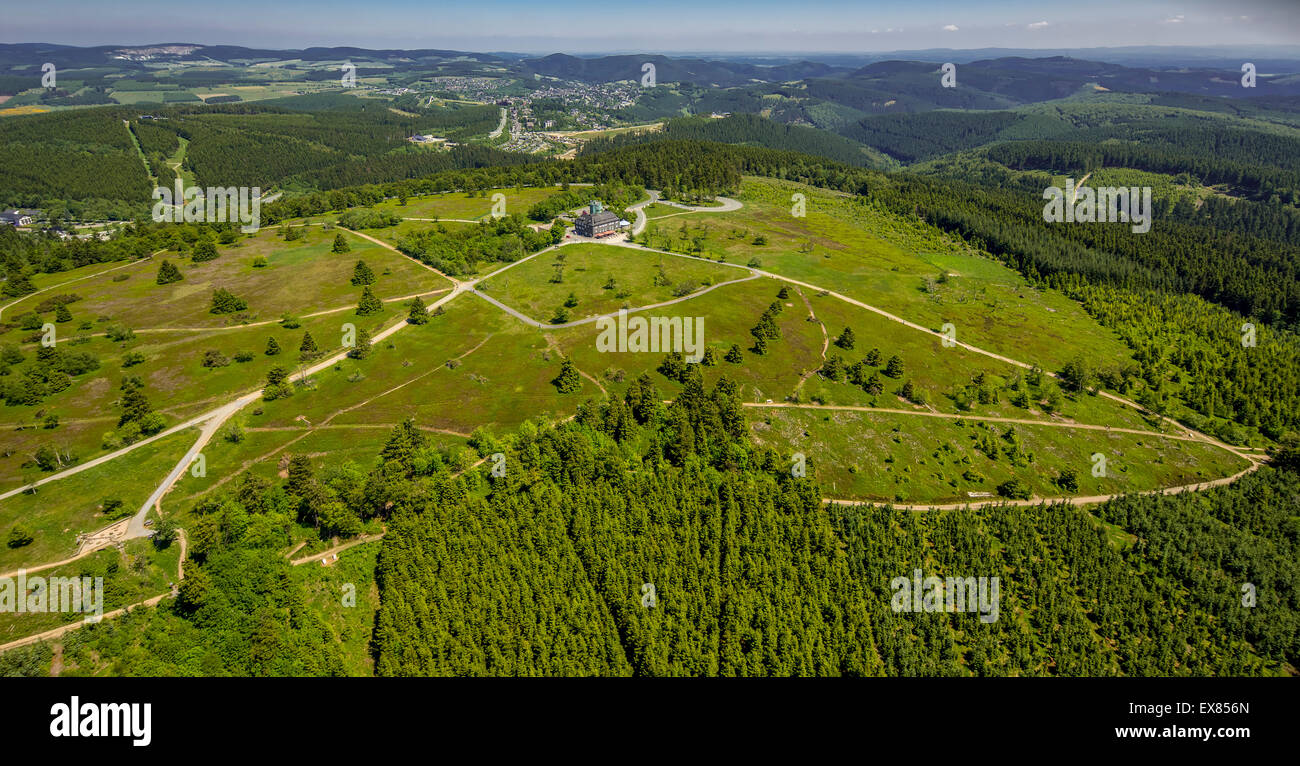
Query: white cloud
point(1038, 25)
point(1175, 20)
point(950, 28)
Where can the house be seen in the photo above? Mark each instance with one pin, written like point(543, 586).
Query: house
point(596, 222)
point(16, 218)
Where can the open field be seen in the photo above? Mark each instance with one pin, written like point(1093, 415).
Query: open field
point(894, 265)
point(299, 277)
point(886, 457)
point(469, 206)
point(59, 511)
point(585, 270)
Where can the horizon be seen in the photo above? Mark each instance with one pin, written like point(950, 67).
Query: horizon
point(671, 27)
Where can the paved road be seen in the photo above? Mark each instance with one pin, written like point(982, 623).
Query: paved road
point(497, 133)
point(639, 225)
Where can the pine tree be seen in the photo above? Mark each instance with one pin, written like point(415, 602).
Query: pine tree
point(135, 406)
point(361, 274)
point(846, 339)
point(568, 381)
point(369, 304)
point(341, 246)
point(168, 273)
point(873, 357)
point(272, 348)
point(362, 349)
point(733, 354)
point(308, 349)
point(419, 312)
point(61, 314)
point(894, 367)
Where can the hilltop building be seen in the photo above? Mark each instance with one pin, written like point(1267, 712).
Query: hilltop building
point(596, 222)
point(16, 217)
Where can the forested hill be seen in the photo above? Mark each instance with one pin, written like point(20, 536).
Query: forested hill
point(644, 540)
point(650, 539)
point(751, 130)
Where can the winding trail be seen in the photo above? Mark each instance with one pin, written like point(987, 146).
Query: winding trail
point(212, 420)
point(1070, 500)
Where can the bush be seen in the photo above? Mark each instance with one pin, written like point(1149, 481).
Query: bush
point(19, 536)
point(1014, 489)
point(214, 358)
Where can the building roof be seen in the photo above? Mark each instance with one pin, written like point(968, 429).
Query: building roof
point(603, 216)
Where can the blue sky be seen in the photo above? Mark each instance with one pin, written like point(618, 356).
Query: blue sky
point(665, 26)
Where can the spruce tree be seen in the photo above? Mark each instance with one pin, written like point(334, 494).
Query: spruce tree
point(308, 348)
point(846, 339)
point(341, 246)
point(361, 274)
point(369, 304)
point(272, 348)
point(362, 349)
point(568, 381)
point(419, 312)
point(61, 314)
point(733, 354)
point(168, 273)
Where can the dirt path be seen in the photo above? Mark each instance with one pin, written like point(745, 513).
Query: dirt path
point(16, 301)
point(337, 549)
point(986, 418)
point(1073, 500)
point(64, 629)
point(826, 342)
point(215, 418)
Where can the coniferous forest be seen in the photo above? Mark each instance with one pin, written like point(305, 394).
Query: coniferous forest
point(650, 539)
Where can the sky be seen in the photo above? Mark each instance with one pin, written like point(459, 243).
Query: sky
point(658, 26)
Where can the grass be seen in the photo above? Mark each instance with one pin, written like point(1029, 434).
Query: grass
point(729, 312)
point(59, 511)
point(847, 246)
point(137, 572)
point(585, 270)
point(300, 277)
point(176, 382)
point(883, 457)
point(350, 619)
